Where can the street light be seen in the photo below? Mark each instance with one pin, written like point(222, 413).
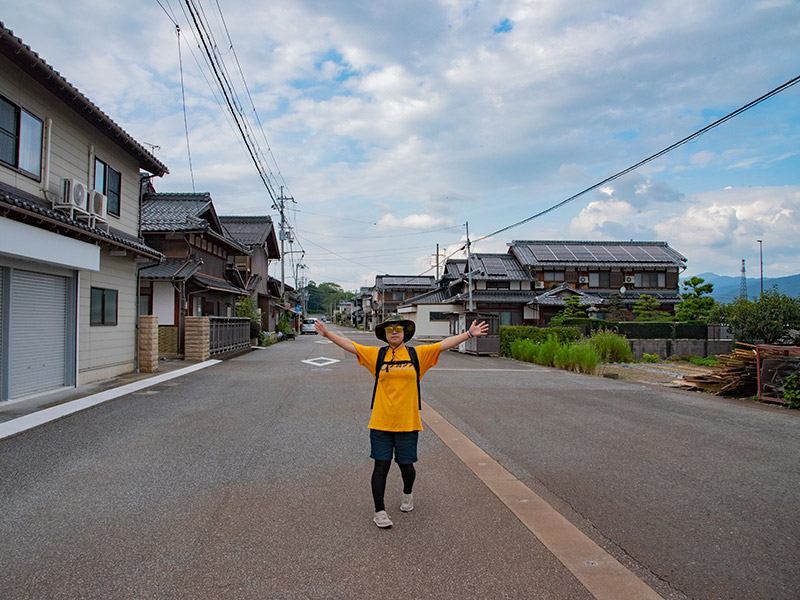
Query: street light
point(761, 257)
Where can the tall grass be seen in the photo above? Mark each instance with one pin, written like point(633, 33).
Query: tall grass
point(611, 347)
point(581, 357)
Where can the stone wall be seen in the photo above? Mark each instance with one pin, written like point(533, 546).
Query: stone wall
point(196, 344)
point(667, 348)
point(148, 343)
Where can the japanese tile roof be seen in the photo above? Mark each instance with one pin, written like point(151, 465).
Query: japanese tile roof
point(252, 231)
point(404, 281)
point(35, 67)
point(491, 267)
point(454, 268)
point(37, 212)
point(173, 268)
point(556, 296)
point(546, 253)
point(176, 212)
point(496, 296)
point(438, 296)
point(215, 283)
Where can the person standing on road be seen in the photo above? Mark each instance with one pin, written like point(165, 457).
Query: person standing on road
point(395, 423)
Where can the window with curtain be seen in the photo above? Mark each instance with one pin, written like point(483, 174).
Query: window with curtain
point(108, 181)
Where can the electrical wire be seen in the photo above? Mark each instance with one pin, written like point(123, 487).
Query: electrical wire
point(677, 144)
point(183, 98)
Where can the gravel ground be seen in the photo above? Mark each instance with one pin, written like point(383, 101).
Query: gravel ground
point(663, 373)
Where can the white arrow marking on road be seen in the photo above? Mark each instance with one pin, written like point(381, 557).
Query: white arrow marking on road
point(321, 361)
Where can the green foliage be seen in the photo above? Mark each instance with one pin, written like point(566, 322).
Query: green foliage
point(646, 309)
point(773, 318)
point(704, 361)
point(694, 306)
point(580, 357)
point(611, 347)
point(572, 309)
point(650, 358)
point(284, 324)
point(247, 306)
point(509, 333)
point(614, 308)
point(791, 391)
point(324, 297)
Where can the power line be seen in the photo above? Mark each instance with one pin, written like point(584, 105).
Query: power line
point(677, 144)
point(183, 98)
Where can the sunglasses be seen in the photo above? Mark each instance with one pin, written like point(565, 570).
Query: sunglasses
point(394, 329)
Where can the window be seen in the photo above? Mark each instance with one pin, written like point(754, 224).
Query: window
point(103, 307)
point(108, 181)
point(498, 285)
point(398, 296)
point(20, 139)
point(601, 279)
point(650, 280)
point(554, 275)
point(438, 316)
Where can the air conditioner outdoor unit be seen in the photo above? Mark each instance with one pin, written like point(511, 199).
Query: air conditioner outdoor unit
point(629, 279)
point(74, 194)
point(583, 279)
point(99, 205)
point(539, 285)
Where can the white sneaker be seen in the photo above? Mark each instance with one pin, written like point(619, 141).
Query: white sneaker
point(382, 520)
point(407, 505)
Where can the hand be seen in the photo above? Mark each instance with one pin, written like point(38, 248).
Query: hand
point(477, 329)
point(320, 328)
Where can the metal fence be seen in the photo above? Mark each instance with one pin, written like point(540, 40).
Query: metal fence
point(226, 334)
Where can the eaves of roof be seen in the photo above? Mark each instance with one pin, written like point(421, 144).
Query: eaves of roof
point(173, 269)
point(215, 283)
point(36, 212)
point(35, 67)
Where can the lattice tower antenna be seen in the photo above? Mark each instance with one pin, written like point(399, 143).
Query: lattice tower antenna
point(743, 283)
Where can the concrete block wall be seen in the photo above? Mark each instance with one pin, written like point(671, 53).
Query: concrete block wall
point(667, 348)
point(196, 344)
point(148, 343)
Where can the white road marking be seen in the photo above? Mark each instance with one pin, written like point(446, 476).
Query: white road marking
point(321, 361)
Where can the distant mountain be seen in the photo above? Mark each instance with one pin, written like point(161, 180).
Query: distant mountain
point(726, 288)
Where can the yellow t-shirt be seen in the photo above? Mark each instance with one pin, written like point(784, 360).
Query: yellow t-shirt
point(396, 405)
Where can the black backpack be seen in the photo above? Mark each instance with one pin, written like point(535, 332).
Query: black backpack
point(412, 354)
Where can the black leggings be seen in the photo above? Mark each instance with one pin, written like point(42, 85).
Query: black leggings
point(379, 474)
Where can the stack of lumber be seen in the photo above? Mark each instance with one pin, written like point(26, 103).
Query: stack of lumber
point(735, 375)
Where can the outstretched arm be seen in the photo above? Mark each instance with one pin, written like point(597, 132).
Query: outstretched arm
point(474, 330)
point(340, 341)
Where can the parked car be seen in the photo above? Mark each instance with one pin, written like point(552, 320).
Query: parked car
point(308, 326)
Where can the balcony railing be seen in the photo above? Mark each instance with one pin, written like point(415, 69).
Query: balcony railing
point(226, 334)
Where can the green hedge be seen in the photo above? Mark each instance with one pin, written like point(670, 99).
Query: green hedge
point(509, 333)
point(644, 330)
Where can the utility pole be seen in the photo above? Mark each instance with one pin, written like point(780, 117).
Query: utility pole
point(283, 237)
point(437, 262)
point(471, 308)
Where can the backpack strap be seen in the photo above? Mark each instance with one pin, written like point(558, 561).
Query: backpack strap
point(378, 367)
point(412, 354)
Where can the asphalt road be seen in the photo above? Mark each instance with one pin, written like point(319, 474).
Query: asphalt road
point(250, 479)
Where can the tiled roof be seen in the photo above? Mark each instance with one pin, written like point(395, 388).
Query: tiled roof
point(496, 296)
point(215, 283)
point(175, 212)
point(34, 66)
point(39, 213)
point(248, 230)
point(404, 281)
point(173, 268)
point(454, 268)
point(434, 297)
point(547, 253)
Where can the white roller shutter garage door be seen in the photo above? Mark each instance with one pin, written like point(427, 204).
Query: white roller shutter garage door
point(38, 333)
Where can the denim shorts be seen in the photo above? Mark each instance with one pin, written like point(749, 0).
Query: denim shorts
point(403, 443)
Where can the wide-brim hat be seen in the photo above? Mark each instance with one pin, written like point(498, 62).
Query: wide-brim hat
point(409, 327)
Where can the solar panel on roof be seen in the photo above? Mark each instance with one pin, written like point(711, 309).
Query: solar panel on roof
point(619, 253)
point(542, 252)
point(562, 252)
point(494, 265)
point(601, 253)
point(582, 253)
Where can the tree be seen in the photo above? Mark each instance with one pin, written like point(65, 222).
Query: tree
point(614, 308)
point(572, 310)
point(773, 318)
point(694, 305)
point(646, 309)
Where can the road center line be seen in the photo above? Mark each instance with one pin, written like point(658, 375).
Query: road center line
point(599, 572)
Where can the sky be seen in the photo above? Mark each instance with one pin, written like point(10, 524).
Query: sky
point(392, 125)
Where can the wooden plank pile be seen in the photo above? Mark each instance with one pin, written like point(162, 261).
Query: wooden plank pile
point(735, 375)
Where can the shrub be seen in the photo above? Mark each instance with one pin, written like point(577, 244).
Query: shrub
point(584, 358)
point(612, 348)
point(509, 333)
point(650, 358)
point(708, 361)
point(791, 391)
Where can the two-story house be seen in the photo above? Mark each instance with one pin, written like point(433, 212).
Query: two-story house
point(257, 234)
point(390, 291)
point(70, 245)
point(198, 276)
point(596, 270)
